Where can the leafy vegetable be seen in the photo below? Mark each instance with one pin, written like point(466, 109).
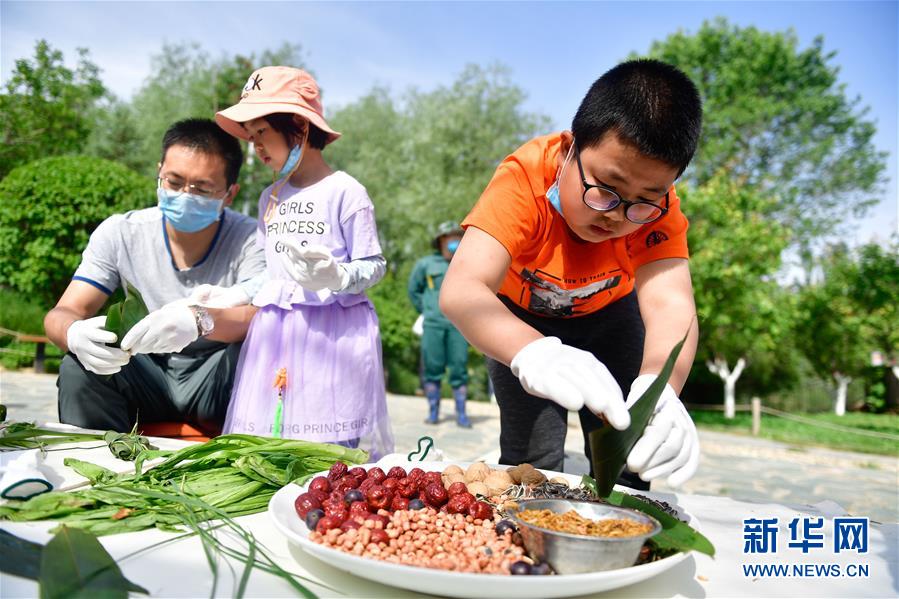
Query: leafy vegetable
point(229, 476)
point(675, 535)
point(234, 474)
point(75, 564)
point(121, 316)
point(610, 447)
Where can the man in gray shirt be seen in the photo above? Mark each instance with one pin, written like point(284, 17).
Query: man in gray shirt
point(177, 363)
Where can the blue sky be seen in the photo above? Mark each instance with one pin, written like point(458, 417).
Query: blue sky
point(554, 49)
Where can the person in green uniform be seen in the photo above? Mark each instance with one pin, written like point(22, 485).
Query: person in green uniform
point(442, 345)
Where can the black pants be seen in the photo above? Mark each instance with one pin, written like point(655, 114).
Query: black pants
point(150, 388)
point(532, 429)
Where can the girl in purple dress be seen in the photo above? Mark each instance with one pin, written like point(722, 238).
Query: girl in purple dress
point(322, 251)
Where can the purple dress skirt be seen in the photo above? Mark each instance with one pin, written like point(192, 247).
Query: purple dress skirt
point(335, 380)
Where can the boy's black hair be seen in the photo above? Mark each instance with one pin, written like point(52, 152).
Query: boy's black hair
point(206, 136)
point(650, 105)
point(285, 124)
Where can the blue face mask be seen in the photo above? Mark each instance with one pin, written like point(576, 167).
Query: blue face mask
point(292, 160)
point(452, 246)
point(188, 212)
point(552, 194)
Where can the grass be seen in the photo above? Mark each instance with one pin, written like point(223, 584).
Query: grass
point(802, 434)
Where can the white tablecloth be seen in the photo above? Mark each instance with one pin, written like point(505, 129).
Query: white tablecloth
point(180, 569)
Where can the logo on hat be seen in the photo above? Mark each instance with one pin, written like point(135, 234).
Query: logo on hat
point(252, 84)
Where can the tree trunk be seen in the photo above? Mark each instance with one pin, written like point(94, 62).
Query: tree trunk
point(839, 406)
point(891, 378)
point(730, 377)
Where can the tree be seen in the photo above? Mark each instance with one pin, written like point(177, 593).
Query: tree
point(876, 289)
point(777, 119)
point(835, 329)
point(735, 249)
point(49, 208)
point(114, 135)
point(851, 313)
point(46, 107)
point(186, 82)
point(427, 158)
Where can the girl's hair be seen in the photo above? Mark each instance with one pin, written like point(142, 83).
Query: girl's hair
point(287, 125)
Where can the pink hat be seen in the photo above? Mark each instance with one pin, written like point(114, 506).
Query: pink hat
point(276, 89)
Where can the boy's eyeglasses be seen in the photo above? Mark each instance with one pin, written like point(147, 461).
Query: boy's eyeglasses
point(603, 199)
point(173, 184)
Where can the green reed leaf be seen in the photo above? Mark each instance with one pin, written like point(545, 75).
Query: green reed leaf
point(610, 447)
point(75, 565)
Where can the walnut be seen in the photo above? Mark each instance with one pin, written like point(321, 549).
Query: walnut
point(532, 477)
point(498, 482)
point(478, 488)
point(477, 472)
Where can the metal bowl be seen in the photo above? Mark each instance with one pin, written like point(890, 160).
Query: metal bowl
point(576, 554)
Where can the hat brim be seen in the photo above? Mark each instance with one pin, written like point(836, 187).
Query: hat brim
point(232, 119)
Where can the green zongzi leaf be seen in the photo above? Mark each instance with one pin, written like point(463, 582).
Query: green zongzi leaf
point(75, 564)
point(121, 316)
point(675, 535)
point(127, 446)
point(20, 557)
point(610, 447)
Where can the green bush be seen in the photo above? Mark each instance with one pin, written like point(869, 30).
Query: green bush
point(401, 346)
point(49, 208)
point(18, 313)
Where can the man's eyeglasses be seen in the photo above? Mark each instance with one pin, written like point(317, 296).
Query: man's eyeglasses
point(603, 199)
point(176, 184)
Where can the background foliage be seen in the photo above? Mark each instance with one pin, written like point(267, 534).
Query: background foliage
point(784, 150)
point(49, 208)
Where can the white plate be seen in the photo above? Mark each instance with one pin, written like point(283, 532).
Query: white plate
point(456, 584)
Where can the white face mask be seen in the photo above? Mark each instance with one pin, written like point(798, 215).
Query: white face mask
point(552, 194)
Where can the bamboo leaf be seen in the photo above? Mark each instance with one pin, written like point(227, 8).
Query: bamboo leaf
point(675, 535)
point(610, 447)
point(127, 446)
point(20, 557)
point(75, 565)
point(121, 316)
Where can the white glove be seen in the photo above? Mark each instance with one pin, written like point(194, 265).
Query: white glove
point(213, 296)
point(570, 377)
point(418, 327)
point(167, 330)
point(669, 445)
point(87, 339)
point(313, 267)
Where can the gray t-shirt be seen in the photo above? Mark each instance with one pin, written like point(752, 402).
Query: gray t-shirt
point(135, 247)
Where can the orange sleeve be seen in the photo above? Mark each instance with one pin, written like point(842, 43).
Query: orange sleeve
point(507, 209)
point(664, 238)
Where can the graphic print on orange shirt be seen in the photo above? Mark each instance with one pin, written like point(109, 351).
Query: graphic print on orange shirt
point(553, 273)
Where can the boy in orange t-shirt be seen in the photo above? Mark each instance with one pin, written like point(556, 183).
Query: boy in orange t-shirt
point(573, 275)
